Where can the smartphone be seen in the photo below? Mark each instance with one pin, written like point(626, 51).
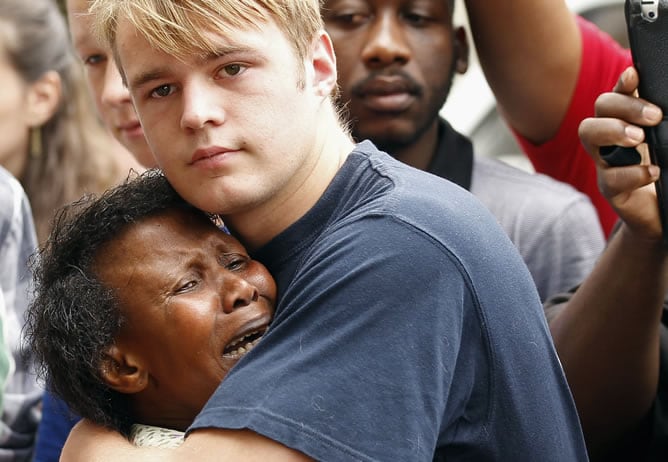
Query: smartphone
point(647, 26)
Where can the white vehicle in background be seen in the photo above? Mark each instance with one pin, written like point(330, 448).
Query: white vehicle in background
point(471, 107)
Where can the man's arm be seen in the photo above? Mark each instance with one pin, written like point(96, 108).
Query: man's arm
point(531, 59)
point(607, 335)
point(90, 442)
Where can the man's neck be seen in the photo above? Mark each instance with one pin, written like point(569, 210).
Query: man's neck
point(258, 226)
point(420, 152)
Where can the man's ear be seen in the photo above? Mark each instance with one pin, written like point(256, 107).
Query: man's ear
point(323, 63)
point(461, 50)
point(43, 98)
point(123, 372)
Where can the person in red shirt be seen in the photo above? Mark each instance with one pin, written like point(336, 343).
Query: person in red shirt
point(546, 76)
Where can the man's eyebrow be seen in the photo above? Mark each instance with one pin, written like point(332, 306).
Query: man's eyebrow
point(224, 51)
point(145, 77)
point(154, 74)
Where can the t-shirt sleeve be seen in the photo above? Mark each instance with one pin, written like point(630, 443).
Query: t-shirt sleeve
point(563, 157)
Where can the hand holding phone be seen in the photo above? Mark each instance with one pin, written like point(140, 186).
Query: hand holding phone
point(647, 25)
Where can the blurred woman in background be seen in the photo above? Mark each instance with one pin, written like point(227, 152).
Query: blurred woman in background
point(51, 139)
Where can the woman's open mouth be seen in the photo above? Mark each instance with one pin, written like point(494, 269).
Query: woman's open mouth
point(239, 347)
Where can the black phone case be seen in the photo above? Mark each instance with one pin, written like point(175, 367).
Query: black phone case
point(647, 25)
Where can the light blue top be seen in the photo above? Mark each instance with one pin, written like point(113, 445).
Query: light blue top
point(21, 392)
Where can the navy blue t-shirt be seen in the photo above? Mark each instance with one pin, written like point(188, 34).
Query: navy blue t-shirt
point(408, 328)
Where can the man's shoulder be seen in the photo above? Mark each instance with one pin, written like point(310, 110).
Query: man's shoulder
point(424, 200)
point(402, 187)
point(416, 207)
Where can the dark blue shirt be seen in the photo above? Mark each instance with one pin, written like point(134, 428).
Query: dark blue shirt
point(408, 328)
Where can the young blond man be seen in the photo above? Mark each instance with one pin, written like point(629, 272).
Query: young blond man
point(407, 326)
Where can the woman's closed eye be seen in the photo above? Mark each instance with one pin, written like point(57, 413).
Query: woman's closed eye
point(186, 286)
point(234, 261)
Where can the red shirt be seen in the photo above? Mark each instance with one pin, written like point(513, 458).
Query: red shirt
point(563, 157)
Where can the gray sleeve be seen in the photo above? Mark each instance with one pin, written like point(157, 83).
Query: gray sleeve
point(568, 248)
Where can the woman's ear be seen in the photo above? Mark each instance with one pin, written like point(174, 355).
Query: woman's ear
point(43, 98)
point(122, 371)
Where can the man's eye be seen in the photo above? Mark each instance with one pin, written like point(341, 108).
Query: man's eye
point(348, 19)
point(162, 91)
point(233, 69)
point(416, 19)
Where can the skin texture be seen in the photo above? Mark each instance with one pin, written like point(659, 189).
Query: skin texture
point(396, 60)
point(112, 99)
point(223, 128)
point(186, 291)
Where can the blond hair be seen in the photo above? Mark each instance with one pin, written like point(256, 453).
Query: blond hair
point(181, 27)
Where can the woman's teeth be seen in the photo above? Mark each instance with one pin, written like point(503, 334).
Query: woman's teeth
point(244, 345)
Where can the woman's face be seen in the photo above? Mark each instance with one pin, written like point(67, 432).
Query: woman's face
point(112, 99)
point(14, 128)
point(193, 303)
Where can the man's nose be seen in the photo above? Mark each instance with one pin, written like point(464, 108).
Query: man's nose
point(200, 107)
point(386, 42)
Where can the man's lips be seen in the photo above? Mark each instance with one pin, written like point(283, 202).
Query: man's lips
point(390, 103)
point(386, 94)
point(204, 154)
point(385, 86)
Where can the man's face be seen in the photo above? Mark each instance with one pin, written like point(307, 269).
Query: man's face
point(112, 99)
point(395, 60)
point(193, 303)
point(233, 131)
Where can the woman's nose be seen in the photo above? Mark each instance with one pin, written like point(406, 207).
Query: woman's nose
point(237, 293)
